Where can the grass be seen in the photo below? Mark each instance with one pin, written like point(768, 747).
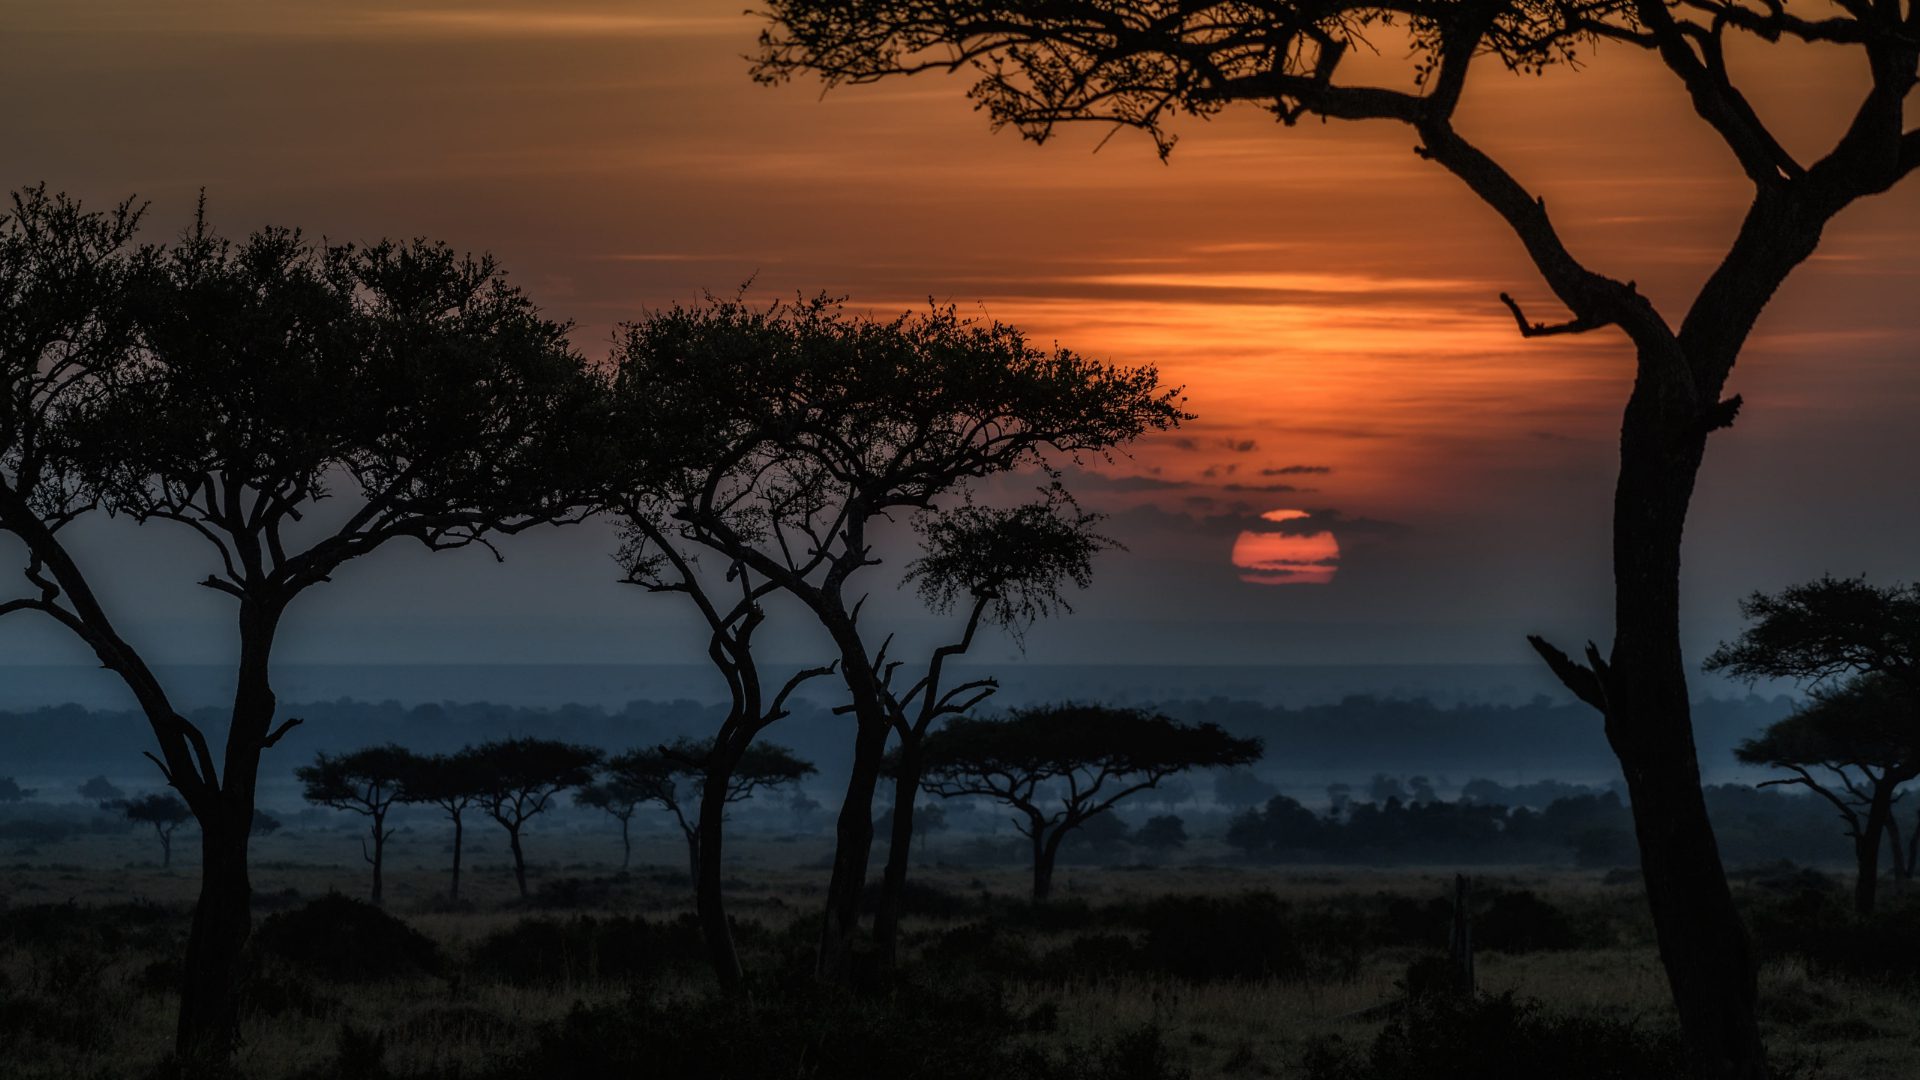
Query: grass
point(88, 998)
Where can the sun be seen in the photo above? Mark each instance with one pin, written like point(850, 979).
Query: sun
point(1272, 557)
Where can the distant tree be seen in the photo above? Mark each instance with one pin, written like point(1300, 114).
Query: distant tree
point(1339, 797)
point(782, 439)
point(1063, 765)
point(161, 810)
point(366, 782)
point(1822, 634)
point(518, 779)
point(452, 782)
point(11, 791)
point(1863, 734)
point(1383, 788)
point(1163, 833)
point(1420, 790)
point(675, 777)
point(264, 824)
point(1147, 64)
point(1241, 787)
point(100, 790)
point(228, 388)
point(618, 800)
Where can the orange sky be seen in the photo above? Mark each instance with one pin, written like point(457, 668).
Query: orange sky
point(1328, 299)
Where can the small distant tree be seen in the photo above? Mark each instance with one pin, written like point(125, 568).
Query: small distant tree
point(162, 810)
point(451, 782)
point(674, 777)
point(1240, 787)
point(1863, 737)
point(366, 782)
point(518, 779)
point(11, 791)
point(1060, 766)
point(1163, 833)
point(100, 790)
point(264, 824)
point(618, 800)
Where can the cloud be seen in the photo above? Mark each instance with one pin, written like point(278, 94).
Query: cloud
point(1239, 446)
point(1087, 480)
point(1333, 521)
point(1296, 470)
point(1271, 488)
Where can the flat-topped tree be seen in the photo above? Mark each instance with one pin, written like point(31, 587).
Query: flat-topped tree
point(162, 810)
point(1864, 736)
point(619, 801)
point(518, 779)
point(452, 782)
point(231, 389)
point(779, 439)
point(1145, 64)
point(1060, 766)
point(366, 782)
point(696, 781)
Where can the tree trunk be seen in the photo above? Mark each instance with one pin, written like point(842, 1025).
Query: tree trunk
point(166, 846)
point(1046, 851)
point(886, 920)
point(453, 887)
point(626, 845)
point(708, 902)
point(519, 860)
point(852, 849)
point(1702, 942)
point(209, 1014)
point(1866, 848)
point(379, 855)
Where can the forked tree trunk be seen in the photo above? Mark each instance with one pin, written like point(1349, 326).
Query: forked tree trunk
point(379, 856)
point(166, 845)
point(708, 900)
point(886, 919)
point(852, 849)
point(1046, 852)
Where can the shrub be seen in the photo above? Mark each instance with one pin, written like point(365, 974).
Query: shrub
point(346, 940)
point(584, 948)
point(1519, 922)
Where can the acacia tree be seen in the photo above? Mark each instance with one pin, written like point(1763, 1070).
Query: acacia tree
point(619, 801)
point(451, 782)
point(783, 438)
point(1864, 735)
point(1144, 63)
point(366, 782)
point(161, 810)
point(518, 779)
point(696, 781)
point(1061, 766)
point(230, 389)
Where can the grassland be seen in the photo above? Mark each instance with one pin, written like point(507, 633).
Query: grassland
point(1221, 987)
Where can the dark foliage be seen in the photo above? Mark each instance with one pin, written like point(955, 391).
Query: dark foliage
point(582, 949)
point(346, 940)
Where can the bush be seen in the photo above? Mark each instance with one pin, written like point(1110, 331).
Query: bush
point(584, 948)
point(1451, 1037)
point(346, 940)
point(1821, 928)
point(1520, 922)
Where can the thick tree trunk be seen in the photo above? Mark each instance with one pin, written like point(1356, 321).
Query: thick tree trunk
point(453, 886)
point(208, 1025)
point(519, 860)
point(1702, 943)
point(1866, 848)
point(1046, 852)
point(893, 886)
point(708, 901)
point(852, 849)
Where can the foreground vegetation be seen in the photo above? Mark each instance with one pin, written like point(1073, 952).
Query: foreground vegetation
point(1200, 969)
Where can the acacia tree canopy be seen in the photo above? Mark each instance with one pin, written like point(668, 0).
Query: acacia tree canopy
point(1827, 629)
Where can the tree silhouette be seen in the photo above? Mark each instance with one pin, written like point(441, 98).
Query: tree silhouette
point(1864, 735)
point(161, 810)
point(618, 800)
point(518, 779)
point(11, 791)
point(451, 782)
point(781, 438)
point(695, 782)
point(227, 389)
point(366, 782)
point(1164, 832)
point(100, 789)
point(1063, 765)
point(1129, 63)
